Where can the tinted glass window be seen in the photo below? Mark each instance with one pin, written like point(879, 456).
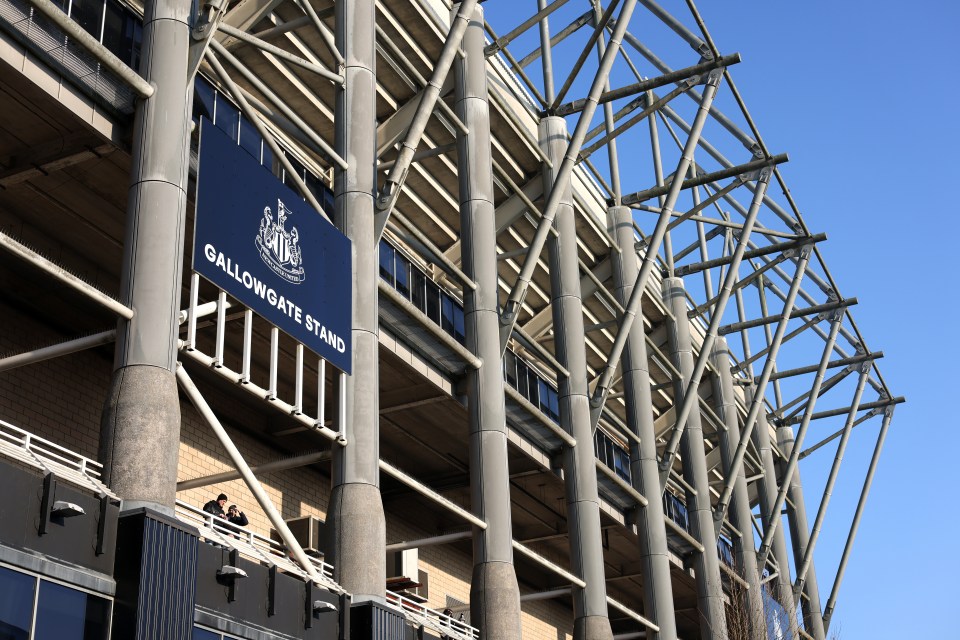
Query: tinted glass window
point(67, 614)
point(386, 263)
point(202, 100)
point(433, 302)
point(446, 313)
point(510, 368)
point(403, 276)
point(89, 14)
point(250, 138)
point(117, 34)
point(203, 634)
point(458, 330)
point(16, 604)
point(418, 289)
point(228, 117)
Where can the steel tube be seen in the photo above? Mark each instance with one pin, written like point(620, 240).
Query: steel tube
point(654, 557)
point(842, 362)
point(64, 276)
point(831, 480)
point(855, 525)
point(690, 397)
point(57, 350)
point(761, 386)
point(510, 311)
point(429, 542)
point(710, 596)
point(796, 313)
point(778, 247)
point(103, 55)
point(394, 182)
point(356, 508)
point(653, 246)
point(286, 56)
point(579, 463)
point(269, 467)
point(263, 499)
point(839, 412)
point(494, 593)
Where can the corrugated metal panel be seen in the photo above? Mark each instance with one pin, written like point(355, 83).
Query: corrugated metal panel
point(167, 583)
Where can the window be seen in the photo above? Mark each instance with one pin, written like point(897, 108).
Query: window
point(16, 605)
point(67, 614)
point(386, 262)
point(403, 276)
point(227, 117)
point(89, 15)
point(250, 138)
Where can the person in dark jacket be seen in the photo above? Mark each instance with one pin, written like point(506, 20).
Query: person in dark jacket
point(215, 507)
point(237, 517)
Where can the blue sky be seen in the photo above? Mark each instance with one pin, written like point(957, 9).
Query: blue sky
point(860, 95)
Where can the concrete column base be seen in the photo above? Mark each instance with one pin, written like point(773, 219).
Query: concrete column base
point(495, 601)
point(592, 628)
point(140, 437)
point(358, 534)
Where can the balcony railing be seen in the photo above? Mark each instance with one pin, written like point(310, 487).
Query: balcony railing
point(417, 613)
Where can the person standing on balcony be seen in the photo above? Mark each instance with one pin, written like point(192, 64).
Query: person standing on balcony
point(215, 507)
point(236, 517)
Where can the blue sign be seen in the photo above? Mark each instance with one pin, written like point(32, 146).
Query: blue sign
point(261, 243)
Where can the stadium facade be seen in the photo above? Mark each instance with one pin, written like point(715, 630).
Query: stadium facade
point(486, 316)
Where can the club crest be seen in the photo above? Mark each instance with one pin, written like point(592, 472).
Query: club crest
point(279, 248)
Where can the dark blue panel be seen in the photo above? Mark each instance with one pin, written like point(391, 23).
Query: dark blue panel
point(67, 614)
point(16, 604)
point(203, 634)
point(261, 243)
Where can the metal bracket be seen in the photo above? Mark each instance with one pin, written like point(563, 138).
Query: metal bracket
point(211, 12)
point(46, 502)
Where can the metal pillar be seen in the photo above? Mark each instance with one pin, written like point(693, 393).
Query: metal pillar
point(713, 624)
point(644, 469)
point(355, 505)
point(750, 610)
point(767, 497)
point(580, 475)
point(800, 537)
point(494, 594)
point(140, 427)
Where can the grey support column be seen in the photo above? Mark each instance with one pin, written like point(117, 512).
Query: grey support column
point(644, 469)
point(800, 536)
point(579, 469)
point(750, 610)
point(494, 595)
point(356, 509)
point(767, 494)
point(140, 428)
point(713, 624)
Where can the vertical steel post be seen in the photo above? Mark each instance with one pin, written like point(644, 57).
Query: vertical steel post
point(767, 497)
point(494, 594)
point(713, 624)
point(740, 514)
point(800, 537)
point(644, 469)
point(140, 427)
point(579, 470)
point(355, 505)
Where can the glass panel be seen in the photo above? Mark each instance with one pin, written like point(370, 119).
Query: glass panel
point(418, 289)
point(447, 306)
point(88, 14)
point(318, 189)
point(67, 614)
point(621, 463)
point(299, 168)
point(386, 263)
point(202, 100)
point(458, 331)
point(433, 301)
point(16, 604)
point(116, 34)
point(203, 634)
point(522, 378)
point(250, 138)
point(553, 405)
point(228, 117)
point(510, 368)
point(403, 276)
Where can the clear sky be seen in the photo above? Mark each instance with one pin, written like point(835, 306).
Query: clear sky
point(862, 97)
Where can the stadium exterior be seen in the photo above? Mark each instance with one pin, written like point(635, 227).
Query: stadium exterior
point(586, 340)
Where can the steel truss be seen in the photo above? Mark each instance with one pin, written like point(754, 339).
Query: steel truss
point(458, 150)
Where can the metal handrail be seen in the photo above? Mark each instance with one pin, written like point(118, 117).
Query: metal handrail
point(432, 619)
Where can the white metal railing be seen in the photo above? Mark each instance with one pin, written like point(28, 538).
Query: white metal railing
point(431, 619)
point(293, 406)
point(50, 457)
point(252, 545)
